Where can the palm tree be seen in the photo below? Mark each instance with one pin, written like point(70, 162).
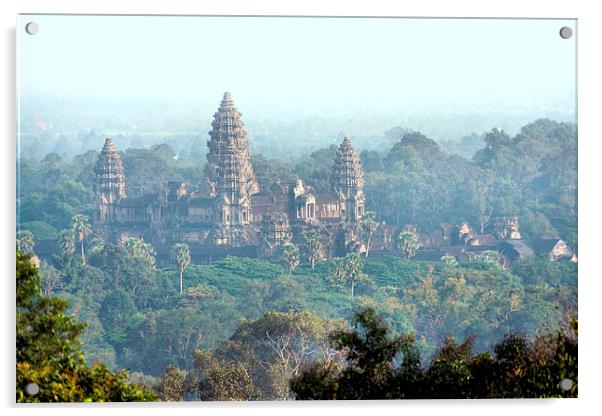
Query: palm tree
point(348, 269)
point(407, 243)
point(369, 227)
point(136, 247)
point(96, 246)
point(490, 257)
point(450, 261)
point(81, 228)
point(290, 256)
point(66, 242)
point(180, 255)
point(313, 246)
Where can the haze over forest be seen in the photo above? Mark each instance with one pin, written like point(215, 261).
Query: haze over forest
point(70, 127)
point(299, 83)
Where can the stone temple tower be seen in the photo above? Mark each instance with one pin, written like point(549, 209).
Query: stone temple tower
point(349, 182)
point(110, 182)
point(229, 169)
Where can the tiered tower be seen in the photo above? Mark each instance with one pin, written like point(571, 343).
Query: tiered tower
point(349, 182)
point(229, 170)
point(110, 182)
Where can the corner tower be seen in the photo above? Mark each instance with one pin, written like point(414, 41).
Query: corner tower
point(110, 182)
point(229, 171)
point(349, 182)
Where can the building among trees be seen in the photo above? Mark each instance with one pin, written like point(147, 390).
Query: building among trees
point(235, 216)
point(228, 212)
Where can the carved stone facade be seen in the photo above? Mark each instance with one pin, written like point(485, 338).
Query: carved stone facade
point(349, 181)
point(235, 216)
point(229, 170)
point(110, 182)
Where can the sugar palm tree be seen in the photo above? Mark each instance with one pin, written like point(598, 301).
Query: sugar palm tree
point(137, 247)
point(66, 242)
point(407, 243)
point(290, 256)
point(313, 246)
point(180, 255)
point(348, 270)
point(81, 229)
point(369, 227)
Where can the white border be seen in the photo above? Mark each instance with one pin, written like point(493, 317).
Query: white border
point(590, 133)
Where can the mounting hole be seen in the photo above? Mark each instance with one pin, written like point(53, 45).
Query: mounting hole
point(566, 384)
point(566, 32)
point(32, 389)
point(32, 28)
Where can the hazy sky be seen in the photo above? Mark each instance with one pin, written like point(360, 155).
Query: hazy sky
point(303, 64)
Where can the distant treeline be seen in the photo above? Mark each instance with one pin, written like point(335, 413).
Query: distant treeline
point(532, 175)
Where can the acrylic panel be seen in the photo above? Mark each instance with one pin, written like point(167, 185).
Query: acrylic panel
point(295, 208)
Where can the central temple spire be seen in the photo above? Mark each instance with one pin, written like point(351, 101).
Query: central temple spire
point(227, 98)
point(229, 170)
point(349, 180)
point(110, 181)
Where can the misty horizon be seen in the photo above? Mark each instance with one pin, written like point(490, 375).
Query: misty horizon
point(303, 66)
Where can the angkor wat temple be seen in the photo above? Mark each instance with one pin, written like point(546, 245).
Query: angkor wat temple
point(236, 216)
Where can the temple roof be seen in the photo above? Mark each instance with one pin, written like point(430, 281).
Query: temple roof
point(544, 245)
point(348, 167)
point(521, 247)
point(483, 240)
point(110, 179)
point(109, 159)
point(229, 167)
point(325, 197)
point(227, 100)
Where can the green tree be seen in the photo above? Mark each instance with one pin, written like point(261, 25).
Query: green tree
point(216, 380)
point(369, 370)
point(119, 317)
point(52, 279)
point(407, 243)
point(25, 241)
point(172, 387)
point(49, 354)
point(477, 198)
point(312, 246)
point(276, 347)
point(348, 270)
point(449, 373)
point(491, 258)
point(381, 367)
point(66, 242)
point(170, 337)
point(180, 256)
point(369, 227)
point(290, 256)
point(450, 261)
point(81, 228)
point(425, 300)
point(96, 246)
point(139, 272)
point(137, 247)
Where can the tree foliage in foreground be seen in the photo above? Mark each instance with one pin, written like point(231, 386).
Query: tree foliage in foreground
point(378, 366)
point(49, 354)
point(259, 359)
